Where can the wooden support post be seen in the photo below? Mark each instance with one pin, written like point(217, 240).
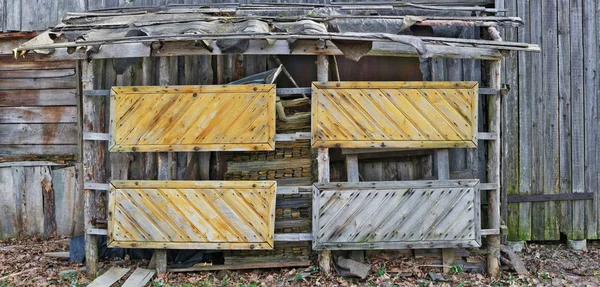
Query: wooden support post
point(493, 171)
point(442, 157)
point(92, 166)
point(323, 163)
point(353, 176)
point(164, 168)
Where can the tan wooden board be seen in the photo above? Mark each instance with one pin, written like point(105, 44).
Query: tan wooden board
point(394, 114)
point(192, 118)
point(192, 214)
point(396, 215)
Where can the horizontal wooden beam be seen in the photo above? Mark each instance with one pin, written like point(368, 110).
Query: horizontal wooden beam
point(486, 232)
point(550, 197)
point(292, 137)
point(279, 91)
point(292, 237)
point(95, 186)
point(96, 136)
point(277, 264)
point(31, 163)
point(488, 186)
point(487, 136)
point(97, 231)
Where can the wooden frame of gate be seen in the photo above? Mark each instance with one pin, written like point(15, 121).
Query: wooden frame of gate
point(95, 153)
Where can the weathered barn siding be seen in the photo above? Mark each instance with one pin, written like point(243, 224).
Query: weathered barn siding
point(38, 110)
point(550, 130)
point(40, 200)
point(35, 15)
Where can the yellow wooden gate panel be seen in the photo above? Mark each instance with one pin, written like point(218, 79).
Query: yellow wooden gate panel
point(192, 118)
point(192, 214)
point(394, 114)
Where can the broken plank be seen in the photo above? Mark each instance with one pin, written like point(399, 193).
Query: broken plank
point(59, 255)
point(139, 278)
point(109, 277)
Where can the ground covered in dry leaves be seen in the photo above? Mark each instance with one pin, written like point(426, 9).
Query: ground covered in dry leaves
point(22, 263)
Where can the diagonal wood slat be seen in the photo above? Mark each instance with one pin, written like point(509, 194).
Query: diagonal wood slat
point(192, 118)
point(192, 214)
point(394, 114)
point(407, 214)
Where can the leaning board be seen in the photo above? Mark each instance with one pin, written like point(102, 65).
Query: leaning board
point(192, 214)
point(394, 114)
point(192, 118)
point(396, 215)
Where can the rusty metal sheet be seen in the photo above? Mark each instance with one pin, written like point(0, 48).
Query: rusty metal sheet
point(396, 215)
point(192, 118)
point(192, 214)
point(394, 114)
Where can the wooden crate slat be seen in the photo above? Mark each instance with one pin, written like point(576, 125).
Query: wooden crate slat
point(374, 215)
point(193, 118)
point(192, 214)
point(394, 114)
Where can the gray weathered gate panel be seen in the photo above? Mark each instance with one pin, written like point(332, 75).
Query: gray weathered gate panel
point(395, 215)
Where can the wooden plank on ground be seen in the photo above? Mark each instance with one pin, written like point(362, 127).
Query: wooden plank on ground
point(139, 278)
point(51, 97)
point(35, 115)
point(38, 133)
point(110, 277)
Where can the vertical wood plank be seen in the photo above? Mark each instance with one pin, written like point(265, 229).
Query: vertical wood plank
point(525, 125)
point(538, 208)
point(9, 222)
point(577, 119)
point(590, 47)
point(13, 15)
point(92, 164)
point(48, 197)
point(352, 168)
point(32, 204)
point(550, 116)
point(18, 175)
point(323, 163)
point(510, 132)
point(148, 79)
point(66, 200)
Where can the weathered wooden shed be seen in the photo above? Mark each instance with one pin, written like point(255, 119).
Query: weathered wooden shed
point(362, 130)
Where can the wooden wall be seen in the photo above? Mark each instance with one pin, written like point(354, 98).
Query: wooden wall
point(35, 15)
point(551, 124)
point(40, 201)
point(38, 110)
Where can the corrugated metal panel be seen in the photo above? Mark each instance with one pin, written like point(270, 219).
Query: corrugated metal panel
point(394, 114)
point(192, 214)
point(193, 118)
point(396, 215)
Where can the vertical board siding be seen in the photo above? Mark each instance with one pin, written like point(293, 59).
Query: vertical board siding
point(22, 204)
point(555, 124)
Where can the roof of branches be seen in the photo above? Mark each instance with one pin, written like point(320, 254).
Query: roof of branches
point(354, 31)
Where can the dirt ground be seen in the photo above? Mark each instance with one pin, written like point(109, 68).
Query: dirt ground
point(23, 263)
